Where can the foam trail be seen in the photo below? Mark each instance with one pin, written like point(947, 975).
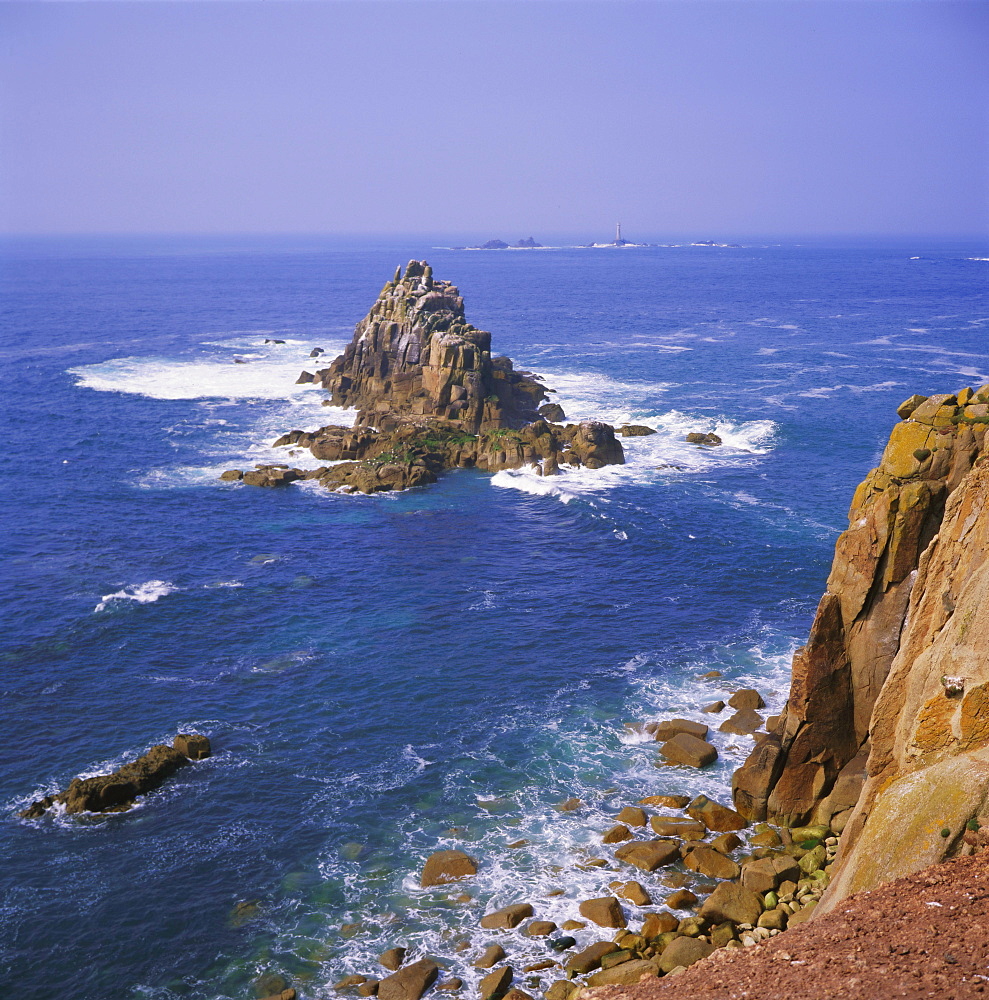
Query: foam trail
point(142, 593)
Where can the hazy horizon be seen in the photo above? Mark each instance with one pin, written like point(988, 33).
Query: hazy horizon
point(731, 120)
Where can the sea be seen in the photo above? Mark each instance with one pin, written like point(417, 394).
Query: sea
point(383, 677)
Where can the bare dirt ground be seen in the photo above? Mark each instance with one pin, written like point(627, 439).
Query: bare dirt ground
point(926, 935)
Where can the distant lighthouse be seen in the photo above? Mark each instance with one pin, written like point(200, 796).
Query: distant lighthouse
point(619, 242)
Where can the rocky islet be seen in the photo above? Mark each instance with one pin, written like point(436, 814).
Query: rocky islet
point(430, 396)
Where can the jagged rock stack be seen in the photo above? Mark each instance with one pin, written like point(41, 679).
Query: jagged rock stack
point(430, 397)
point(415, 355)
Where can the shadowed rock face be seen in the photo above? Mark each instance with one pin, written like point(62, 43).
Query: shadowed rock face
point(811, 767)
point(415, 355)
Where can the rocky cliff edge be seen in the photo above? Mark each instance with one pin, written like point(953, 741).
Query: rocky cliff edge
point(885, 735)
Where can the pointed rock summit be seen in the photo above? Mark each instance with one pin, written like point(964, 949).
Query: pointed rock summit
point(415, 356)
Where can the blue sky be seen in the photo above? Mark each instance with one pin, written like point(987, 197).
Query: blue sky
point(499, 118)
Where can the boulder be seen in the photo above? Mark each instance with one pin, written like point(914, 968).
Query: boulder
point(590, 958)
point(552, 412)
point(664, 731)
point(666, 801)
point(617, 834)
point(540, 928)
point(742, 723)
point(496, 983)
point(682, 899)
point(392, 958)
point(443, 867)
point(726, 843)
point(677, 826)
point(492, 955)
point(906, 408)
point(707, 861)
point(507, 917)
point(632, 816)
point(684, 951)
point(714, 708)
point(648, 854)
point(450, 985)
point(714, 816)
point(195, 746)
point(410, 982)
point(746, 698)
point(689, 751)
point(604, 911)
point(767, 874)
point(635, 430)
point(634, 892)
point(625, 974)
point(733, 902)
point(658, 923)
point(232, 475)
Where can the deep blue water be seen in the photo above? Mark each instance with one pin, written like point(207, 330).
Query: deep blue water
point(383, 676)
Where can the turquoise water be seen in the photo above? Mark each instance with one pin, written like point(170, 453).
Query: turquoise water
point(384, 676)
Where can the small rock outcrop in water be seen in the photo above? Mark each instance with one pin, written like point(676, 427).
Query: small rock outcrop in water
point(886, 732)
point(116, 792)
point(430, 396)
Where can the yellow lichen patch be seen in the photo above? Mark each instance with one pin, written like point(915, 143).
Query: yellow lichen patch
point(906, 438)
point(975, 717)
point(933, 732)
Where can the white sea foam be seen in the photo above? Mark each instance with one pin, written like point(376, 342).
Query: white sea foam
point(268, 371)
point(141, 593)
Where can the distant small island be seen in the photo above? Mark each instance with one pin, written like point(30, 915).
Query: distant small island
point(528, 243)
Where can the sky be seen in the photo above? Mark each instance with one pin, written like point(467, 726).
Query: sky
point(711, 118)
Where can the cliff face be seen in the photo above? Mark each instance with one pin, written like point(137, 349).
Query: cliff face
point(928, 772)
point(415, 356)
point(813, 765)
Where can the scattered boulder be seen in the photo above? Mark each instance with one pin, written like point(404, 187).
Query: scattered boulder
point(658, 923)
point(667, 730)
point(714, 708)
point(392, 958)
point(696, 437)
point(666, 801)
point(742, 723)
point(746, 698)
point(714, 816)
point(632, 816)
point(443, 867)
point(450, 985)
point(316, 352)
point(635, 430)
point(707, 861)
point(496, 983)
point(493, 954)
point(232, 475)
point(648, 854)
point(684, 951)
point(617, 834)
point(540, 928)
point(767, 874)
point(507, 917)
point(569, 805)
point(689, 751)
point(410, 982)
point(682, 899)
point(634, 892)
point(726, 843)
point(562, 943)
point(625, 974)
point(677, 826)
point(604, 911)
point(552, 412)
point(733, 902)
point(590, 958)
